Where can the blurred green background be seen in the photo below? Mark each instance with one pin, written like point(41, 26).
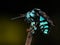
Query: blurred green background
point(12, 32)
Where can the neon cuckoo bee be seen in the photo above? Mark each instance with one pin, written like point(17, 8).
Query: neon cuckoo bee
point(37, 18)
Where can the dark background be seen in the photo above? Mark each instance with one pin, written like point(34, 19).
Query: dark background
point(12, 8)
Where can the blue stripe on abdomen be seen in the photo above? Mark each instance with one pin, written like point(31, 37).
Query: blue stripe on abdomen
point(44, 25)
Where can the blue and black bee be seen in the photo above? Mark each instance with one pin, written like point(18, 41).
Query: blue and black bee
point(37, 20)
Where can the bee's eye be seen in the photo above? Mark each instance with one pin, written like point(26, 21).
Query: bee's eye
point(27, 15)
